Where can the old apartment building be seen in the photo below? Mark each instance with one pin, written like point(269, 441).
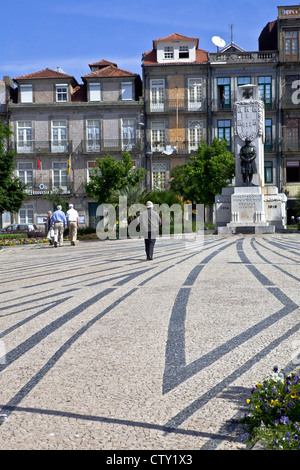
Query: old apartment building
point(61, 127)
point(186, 95)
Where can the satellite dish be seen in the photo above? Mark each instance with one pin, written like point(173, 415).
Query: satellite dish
point(219, 42)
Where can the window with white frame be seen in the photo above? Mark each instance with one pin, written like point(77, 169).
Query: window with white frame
point(25, 173)
point(59, 136)
point(183, 52)
point(126, 91)
point(91, 166)
point(158, 136)
point(168, 52)
point(59, 171)
point(26, 94)
point(93, 135)
point(157, 95)
point(25, 141)
point(159, 175)
point(128, 134)
point(61, 93)
point(95, 91)
point(195, 130)
point(26, 215)
point(194, 93)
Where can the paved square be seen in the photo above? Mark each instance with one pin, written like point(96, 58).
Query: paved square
point(105, 350)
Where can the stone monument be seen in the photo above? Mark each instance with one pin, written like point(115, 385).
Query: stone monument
point(249, 205)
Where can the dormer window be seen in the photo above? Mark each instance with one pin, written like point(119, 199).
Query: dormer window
point(95, 91)
point(168, 52)
point(61, 93)
point(183, 52)
point(26, 94)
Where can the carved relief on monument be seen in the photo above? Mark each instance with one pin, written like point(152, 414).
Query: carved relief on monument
point(249, 119)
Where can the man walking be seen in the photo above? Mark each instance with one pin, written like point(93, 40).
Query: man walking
point(149, 222)
point(59, 222)
point(73, 222)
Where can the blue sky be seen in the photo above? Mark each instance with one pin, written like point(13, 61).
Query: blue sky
point(71, 34)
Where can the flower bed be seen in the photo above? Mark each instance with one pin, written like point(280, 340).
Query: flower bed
point(21, 241)
point(274, 413)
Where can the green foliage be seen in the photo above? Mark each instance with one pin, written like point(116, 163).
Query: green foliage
point(12, 192)
point(112, 175)
point(134, 195)
point(204, 176)
point(274, 412)
point(167, 196)
point(12, 236)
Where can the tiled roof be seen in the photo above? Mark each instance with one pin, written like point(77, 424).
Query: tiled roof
point(175, 37)
point(150, 58)
point(110, 71)
point(79, 94)
point(46, 73)
point(102, 63)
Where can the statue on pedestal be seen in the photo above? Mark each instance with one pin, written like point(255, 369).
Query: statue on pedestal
point(248, 166)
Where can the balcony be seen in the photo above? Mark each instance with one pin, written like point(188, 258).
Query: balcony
point(110, 145)
point(243, 57)
point(290, 145)
point(290, 102)
point(270, 147)
point(224, 105)
point(42, 147)
point(174, 106)
point(172, 148)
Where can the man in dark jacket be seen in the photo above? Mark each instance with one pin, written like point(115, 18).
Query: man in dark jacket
point(149, 222)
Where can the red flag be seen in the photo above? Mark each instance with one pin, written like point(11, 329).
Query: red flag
point(39, 163)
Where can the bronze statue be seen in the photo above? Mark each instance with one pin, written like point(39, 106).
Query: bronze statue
point(248, 166)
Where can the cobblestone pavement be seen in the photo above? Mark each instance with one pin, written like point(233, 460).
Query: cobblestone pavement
point(105, 350)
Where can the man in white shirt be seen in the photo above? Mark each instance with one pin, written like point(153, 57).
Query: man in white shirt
point(73, 222)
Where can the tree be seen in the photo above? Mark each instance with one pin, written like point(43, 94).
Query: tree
point(204, 176)
point(12, 190)
point(112, 175)
point(57, 199)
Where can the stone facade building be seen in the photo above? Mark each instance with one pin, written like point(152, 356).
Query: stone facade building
point(61, 127)
point(186, 95)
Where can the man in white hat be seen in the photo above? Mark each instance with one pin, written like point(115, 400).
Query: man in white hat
point(149, 222)
point(73, 222)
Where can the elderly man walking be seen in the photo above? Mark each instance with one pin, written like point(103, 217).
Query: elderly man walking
point(59, 222)
point(149, 222)
point(73, 222)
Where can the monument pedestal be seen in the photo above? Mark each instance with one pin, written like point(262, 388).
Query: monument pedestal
point(257, 208)
point(247, 209)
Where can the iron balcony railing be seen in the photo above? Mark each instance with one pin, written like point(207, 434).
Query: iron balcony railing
point(291, 101)
point(42, 147)
point(290, 145)
point(174, 148)
point(172, 106)
point(227, 104)
point(112, 145)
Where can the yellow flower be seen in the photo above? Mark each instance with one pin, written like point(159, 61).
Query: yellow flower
point(258, 385)
point(247, 401)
